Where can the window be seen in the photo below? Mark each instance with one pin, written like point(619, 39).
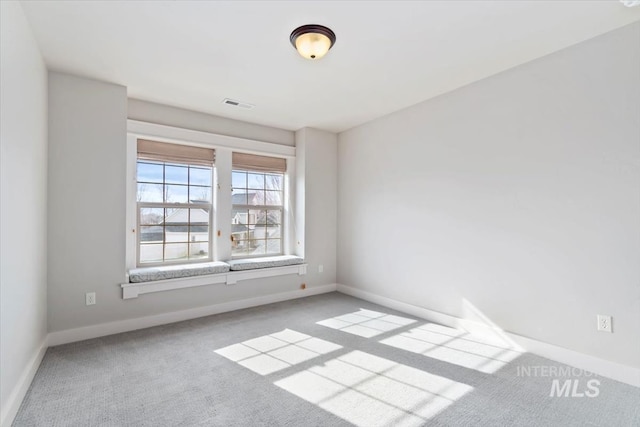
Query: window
point(193, 198)
point(257, 205)
point(174, 210)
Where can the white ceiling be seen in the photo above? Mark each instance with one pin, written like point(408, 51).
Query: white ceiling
point(388, 55)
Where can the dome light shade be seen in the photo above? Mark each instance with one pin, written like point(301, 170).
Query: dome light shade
point(312, 41)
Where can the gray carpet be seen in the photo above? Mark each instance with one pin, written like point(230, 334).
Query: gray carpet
point(328, 360)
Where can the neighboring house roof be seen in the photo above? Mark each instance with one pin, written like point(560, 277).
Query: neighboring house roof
point(239, 228)
point(269, 220)
point(180, 216)
point(152, 234)
point(241, 198)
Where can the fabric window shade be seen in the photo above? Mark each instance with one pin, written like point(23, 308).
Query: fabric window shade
point(175, 153)
point(252, 162)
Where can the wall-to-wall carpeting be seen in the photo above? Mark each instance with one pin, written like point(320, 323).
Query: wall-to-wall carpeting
point(327, 360)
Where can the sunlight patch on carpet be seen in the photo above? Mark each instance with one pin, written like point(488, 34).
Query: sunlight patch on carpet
point(369, 391)
point(271, 353)
point(454, 346)
point(366, 323)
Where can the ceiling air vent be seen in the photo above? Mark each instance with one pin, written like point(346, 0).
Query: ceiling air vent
point(234, 103)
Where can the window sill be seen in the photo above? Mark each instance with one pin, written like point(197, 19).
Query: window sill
point(133, 290)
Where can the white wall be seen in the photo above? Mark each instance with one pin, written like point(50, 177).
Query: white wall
point(171, 116)
point(517, 195)
point(23, 137)
point(87, 142)
point(87, 206)
point(317, 156)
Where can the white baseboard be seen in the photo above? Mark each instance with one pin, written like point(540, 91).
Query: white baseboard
point(10, 408)
point(606, 368)
point(103, 329)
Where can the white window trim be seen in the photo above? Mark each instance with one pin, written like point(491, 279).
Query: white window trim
point(224, 146)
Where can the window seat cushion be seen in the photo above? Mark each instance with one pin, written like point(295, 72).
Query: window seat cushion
point(265, 262)
point(149, 274)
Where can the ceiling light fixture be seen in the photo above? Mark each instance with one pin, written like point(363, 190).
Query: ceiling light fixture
point(312, 41)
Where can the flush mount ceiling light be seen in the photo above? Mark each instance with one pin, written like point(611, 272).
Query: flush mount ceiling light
point(630, 3)
point(312, 41)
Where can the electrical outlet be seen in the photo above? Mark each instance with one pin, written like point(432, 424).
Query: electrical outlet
point(90, 298)
point(604, 323)
point(320, 268)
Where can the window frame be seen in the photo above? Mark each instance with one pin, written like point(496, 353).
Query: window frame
point(267, 208)
point(158, 205)
point(292, 227)
point(174, 205)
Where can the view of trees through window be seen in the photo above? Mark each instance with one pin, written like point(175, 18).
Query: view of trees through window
point(174, 212)
point(256, 217)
